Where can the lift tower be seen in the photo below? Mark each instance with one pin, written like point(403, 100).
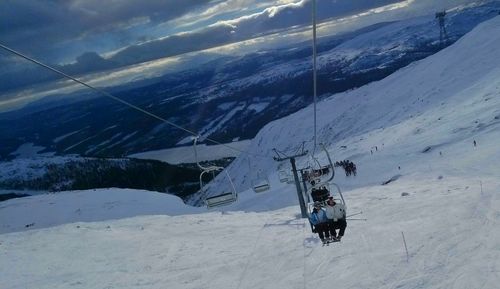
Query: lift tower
point(443, 36)
point(280, 156)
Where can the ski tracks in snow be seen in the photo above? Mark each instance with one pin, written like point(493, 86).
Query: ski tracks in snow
point(270, 264)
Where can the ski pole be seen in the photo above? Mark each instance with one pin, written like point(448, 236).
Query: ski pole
point(355, 214)
point(406, 248)
point(356, 219)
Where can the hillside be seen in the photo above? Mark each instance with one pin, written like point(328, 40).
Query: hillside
point(439, 104)
point(55, 174)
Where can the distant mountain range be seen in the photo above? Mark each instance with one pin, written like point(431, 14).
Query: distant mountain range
point(231, 97)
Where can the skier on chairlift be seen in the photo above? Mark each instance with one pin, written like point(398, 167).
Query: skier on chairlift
point(320, 222)
point(336, 215)
point(319, 194)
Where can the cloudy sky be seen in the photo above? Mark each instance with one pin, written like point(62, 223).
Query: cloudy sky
point(89, 36)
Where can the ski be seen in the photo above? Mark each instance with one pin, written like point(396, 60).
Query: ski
point(327, 243)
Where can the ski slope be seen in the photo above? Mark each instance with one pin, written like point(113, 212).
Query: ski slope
point(450, 226)
point(445, 200)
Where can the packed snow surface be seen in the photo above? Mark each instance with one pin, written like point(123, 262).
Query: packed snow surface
point(433, 128)
point(450, 227)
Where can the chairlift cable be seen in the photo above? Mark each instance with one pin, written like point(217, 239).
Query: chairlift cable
point(314, 70)
point(107, 94)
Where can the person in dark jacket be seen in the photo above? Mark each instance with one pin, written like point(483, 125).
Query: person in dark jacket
point(320, 222)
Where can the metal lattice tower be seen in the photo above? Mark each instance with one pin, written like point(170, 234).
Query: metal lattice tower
point(280, 156)
point(443, 36)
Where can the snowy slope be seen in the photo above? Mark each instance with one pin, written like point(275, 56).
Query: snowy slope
point(390, 42)
point(423, 119)
point(50, 210)
point(450, 226)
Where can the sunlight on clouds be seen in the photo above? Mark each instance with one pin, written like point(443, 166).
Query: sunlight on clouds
point(224, 7)
point(301, 33)
point(263, 42)
point(272, 11)
point(227, 7)
point(390, 7)
point(368, 17)
point(269, 12)
point(230, 6)
point(19, 99)
point(281, 2)
point(141, 71)
point(235, 22)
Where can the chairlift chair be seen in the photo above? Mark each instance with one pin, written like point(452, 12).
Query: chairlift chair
point(283, 176)
point(321, 172)
point(259, 184)
point(222, 199)
point(337, 195)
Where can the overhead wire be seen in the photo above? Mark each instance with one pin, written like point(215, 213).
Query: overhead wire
point(314, 70)
point(107, 94)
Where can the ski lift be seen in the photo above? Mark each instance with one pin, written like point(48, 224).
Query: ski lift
point(321, 192)
point(318, 171)
point(283, 176)
point(260, 184)
point(222, 199)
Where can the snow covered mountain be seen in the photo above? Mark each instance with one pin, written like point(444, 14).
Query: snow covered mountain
point(233, 97)
point(433, 127)
point(433, 107)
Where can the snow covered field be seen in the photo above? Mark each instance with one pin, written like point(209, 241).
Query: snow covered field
point(450, 226)
point(423, 121)
point(185, 154)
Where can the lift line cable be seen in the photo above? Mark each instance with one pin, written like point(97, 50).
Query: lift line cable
point(314, 73)
point(107, 94)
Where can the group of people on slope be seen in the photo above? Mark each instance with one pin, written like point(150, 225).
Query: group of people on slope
point(328, 219)
point(348, 166)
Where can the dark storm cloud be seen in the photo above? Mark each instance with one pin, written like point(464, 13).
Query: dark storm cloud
point(41, 26)
point(270, 20)
point(50, 30)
